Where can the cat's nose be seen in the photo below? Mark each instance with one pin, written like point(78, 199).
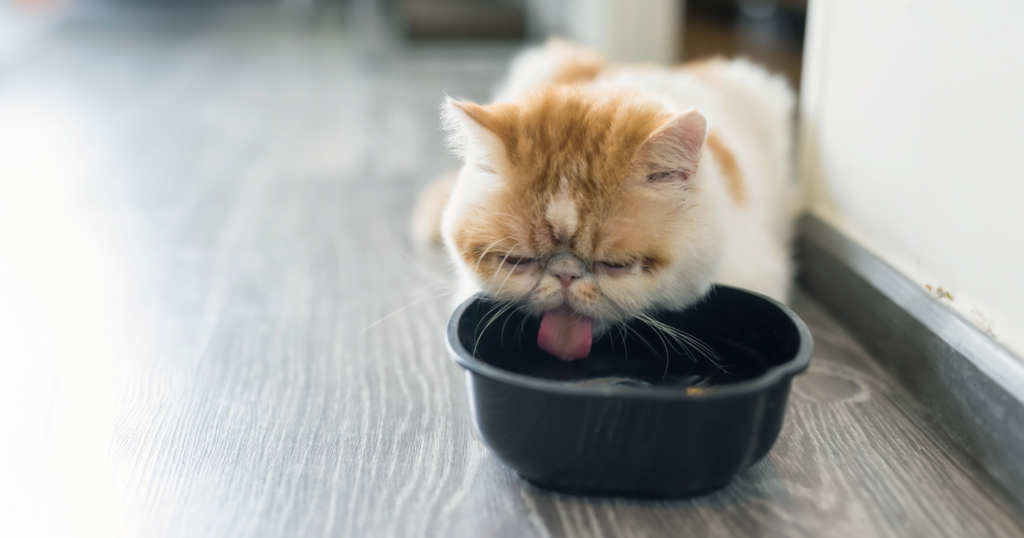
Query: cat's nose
point(566, 278)
point(566, 269)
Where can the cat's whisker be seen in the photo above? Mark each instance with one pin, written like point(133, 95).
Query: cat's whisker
point(684, 344)
point(445, 288)
point(492, 319)
point(488, 249)
point(500, 265)
point(625, 350)
point(693, 340)
point(667, 354)
point(642, 339)
point(436, 289)
point(623, 314)
point(509, 273)
point(518, 308)
point(667, 329)
point(522, 326)
point(389, 316)
point(658, 326)
point(497, 305)
point(685, 338)
point(504, 307)
point(654, 325)
point(663, 343)
point(420, 267)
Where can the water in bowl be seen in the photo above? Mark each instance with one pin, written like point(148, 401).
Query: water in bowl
point(637, 356)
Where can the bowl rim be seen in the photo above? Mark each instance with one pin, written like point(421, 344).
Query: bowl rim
point(773, 375)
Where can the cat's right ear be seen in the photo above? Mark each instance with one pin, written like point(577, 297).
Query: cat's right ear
point(471, 134)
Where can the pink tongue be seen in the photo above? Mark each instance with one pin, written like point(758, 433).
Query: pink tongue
point(565, 334)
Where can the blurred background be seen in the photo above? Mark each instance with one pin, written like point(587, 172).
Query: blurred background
point(664, 31)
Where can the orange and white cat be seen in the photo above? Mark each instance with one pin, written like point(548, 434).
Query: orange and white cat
point(592, 194)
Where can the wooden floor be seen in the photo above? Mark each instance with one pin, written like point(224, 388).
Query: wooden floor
point(214, 323)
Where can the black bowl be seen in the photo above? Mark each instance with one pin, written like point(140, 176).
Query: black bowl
point(643, 415)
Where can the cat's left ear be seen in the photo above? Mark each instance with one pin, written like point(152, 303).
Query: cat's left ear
point(672, 152)
point(471, 133)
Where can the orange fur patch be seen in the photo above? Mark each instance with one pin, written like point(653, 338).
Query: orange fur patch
point(576, 64)
point(576, 72)
point(426, 218)
point(588, 292)
point(726, 159)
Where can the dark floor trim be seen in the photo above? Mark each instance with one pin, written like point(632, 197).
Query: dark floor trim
point(970, 388)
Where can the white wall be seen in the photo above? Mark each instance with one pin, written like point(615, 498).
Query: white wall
point(912, 133)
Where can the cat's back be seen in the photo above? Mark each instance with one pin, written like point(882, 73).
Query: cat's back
point(734, 94)
point(741, 100)
point(749, 111)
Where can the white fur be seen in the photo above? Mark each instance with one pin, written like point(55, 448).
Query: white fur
point(561, 212)
point(747, 108)
point(751, 112)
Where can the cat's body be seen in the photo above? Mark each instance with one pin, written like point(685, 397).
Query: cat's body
point(595, 194)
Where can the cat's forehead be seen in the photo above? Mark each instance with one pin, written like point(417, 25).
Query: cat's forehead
point(569, 154)
point(563, 133)
point(562, 213)
point(556, 132)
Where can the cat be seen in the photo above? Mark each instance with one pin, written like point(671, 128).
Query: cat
point(593, 193)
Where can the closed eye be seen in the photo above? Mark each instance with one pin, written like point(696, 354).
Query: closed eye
point(614, 268)
point(521, 263)
point(665, 176)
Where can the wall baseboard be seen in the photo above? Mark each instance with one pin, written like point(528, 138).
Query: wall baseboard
point(969, 389)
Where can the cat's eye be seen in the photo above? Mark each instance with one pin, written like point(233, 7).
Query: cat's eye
point(666, 176)
point(613, 268)
point(515, 262)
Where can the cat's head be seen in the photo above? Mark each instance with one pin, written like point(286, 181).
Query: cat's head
point(586, 204)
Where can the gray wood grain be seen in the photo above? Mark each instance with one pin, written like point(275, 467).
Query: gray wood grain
point(215, 324)
point(970, 388)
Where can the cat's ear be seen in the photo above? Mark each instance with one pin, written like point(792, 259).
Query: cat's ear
point(471, 135)
point(672, 152)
